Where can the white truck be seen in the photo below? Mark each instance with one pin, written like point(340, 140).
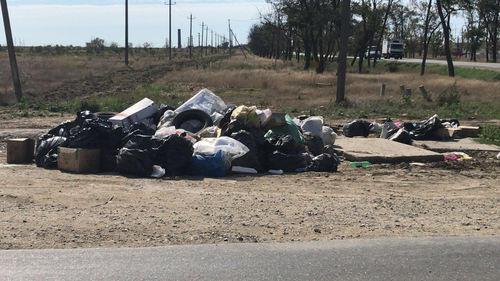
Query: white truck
point(393, 49)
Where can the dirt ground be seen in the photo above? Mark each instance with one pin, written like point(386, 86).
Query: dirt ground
point(50, 209)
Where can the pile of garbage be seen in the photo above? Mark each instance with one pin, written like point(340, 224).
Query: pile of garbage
point(203, 137)
point(403, 132)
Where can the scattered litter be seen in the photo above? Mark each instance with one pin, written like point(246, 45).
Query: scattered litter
point(456, 156)
point(158, 172)
point(364, 164)
point(418, 164)
point(276, 172)
point(244, 170)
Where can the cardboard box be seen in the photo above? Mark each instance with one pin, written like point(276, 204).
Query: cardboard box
point(144, 109)
point(79, 160)
point(20, 151)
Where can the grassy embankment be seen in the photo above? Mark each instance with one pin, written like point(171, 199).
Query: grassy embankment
point(473, 94)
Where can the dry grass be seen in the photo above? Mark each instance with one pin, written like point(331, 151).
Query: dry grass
point(259, 81)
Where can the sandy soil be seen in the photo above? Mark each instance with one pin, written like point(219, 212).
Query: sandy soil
point(50, 209)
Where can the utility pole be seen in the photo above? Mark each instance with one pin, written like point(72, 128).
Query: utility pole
point(126, 32)
point(179, 36)
point(190, 36)
point(169, 28)
point(199, 45)
point(212, 42)
point(12, 53)
point(202, 31)
point(230, 43)
point(206, 41)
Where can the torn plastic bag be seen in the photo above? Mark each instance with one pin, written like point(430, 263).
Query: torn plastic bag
point(314, 144)
point(161, 113)
point(388, 129)
point(289, 129)
point(210, 146)
point(313, 125)
point(134, 162)
point(210, 132)
point(250, 159)
point(264, 116)
point(328, 136)
point(47, 151)
point(357, 128)
point(450, 123)
point(204, 100)
point(226, 119)
point(288, 145)
point(402, 136)
point(426, 130)
point(174, 153)
point(324, 163)
point(215, 165)
point(247, 116)
point(166, 119)
point(192, 120)
point(276, 120)
point(288, 162)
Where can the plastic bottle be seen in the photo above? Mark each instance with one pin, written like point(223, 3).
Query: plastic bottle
point(364, 164)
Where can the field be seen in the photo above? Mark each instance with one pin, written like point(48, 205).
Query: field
point(49, 209)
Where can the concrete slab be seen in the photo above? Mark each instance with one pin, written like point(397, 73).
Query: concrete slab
point(459, 145)
point(376, 150)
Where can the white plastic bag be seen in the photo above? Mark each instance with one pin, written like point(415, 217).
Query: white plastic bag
point(204, 100)
point(313, 125)
point(229, 145)
point(328, 136)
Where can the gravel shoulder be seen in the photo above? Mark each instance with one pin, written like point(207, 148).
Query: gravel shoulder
point(50, 209)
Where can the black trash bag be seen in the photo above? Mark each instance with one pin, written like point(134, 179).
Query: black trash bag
point(401, 136)
point(389, 129)
point(288, 145)
point(134, 162)
point(227, 116)
point(357, 128)
point(324, 163)
point(250, 159)
point(94, 134)
point(137, 129)
point(108, 159)
point(288, 162)
point(63, 130)
point(142, 142)
point(314, 144)
point(47, 151)
point(452, 123)
point(173, 153)
point(426, 130)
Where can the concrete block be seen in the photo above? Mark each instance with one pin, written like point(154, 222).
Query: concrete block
point(79, 160)
point(20, 151)
point(377, 150)
point(459, 145)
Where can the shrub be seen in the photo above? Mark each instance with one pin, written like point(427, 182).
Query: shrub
point(490, 135)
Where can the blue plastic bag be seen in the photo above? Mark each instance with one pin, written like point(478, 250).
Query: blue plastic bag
point(213, 166)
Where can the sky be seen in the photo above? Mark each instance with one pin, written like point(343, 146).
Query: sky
point(75, 22)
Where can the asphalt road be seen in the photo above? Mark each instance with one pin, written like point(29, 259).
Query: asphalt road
point(482, 65)
point(459, 258)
